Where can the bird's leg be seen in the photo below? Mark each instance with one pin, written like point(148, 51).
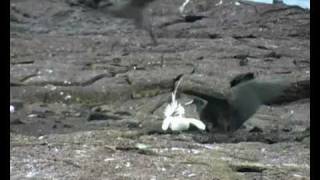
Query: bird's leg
point(144, 23)
point(152, 36)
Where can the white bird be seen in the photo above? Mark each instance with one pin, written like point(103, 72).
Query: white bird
point(174, 116)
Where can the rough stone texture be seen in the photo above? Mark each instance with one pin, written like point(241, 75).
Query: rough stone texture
point(89, 91)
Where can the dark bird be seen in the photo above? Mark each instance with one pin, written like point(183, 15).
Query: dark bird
point(245, 98)
point(230, 111)
point(129, 9)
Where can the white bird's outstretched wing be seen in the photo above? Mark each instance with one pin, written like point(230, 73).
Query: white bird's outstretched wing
point(180, 123)
point(199, 124)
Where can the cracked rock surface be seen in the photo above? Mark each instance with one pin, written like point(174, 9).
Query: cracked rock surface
point(89, 90)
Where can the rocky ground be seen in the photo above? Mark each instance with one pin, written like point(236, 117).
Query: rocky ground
point(88, 91)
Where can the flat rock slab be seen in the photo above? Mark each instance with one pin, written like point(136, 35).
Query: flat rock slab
point(94, 154)
point(88, 91)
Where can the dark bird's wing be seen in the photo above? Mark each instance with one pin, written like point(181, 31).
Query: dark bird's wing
point(141, 3)
point(129, 9)
point(247, 97)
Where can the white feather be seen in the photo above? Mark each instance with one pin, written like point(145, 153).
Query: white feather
point(166, 123)
point(174, 109)
point(181, 8)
